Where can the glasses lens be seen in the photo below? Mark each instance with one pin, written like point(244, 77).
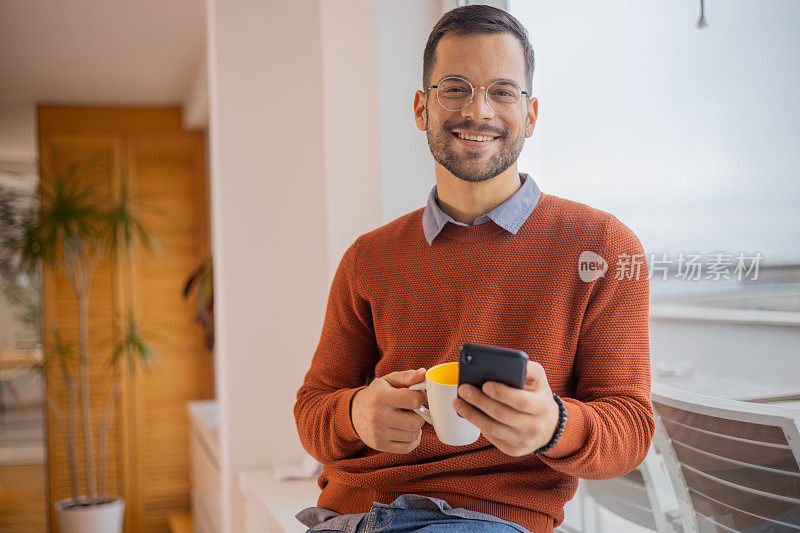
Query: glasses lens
point(504, 96)
point(454, 93)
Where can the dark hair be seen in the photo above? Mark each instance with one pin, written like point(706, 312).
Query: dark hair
point(476, 19)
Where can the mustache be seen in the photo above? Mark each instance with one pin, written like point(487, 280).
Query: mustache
point(471, 126)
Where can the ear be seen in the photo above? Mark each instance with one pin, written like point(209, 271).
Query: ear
point(420, 100)
point(533, 112)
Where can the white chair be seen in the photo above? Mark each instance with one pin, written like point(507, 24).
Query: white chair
point(734, 465)
point(644, 496)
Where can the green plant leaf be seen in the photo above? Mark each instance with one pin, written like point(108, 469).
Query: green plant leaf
point(131, 345)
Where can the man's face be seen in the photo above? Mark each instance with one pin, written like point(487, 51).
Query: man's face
point(480, 59)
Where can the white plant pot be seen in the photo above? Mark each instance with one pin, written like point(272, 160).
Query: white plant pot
point(106, 517)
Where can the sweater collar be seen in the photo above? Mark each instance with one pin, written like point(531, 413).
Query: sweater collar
point(510, 215)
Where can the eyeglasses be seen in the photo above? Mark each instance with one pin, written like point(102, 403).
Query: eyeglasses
point(455, 94)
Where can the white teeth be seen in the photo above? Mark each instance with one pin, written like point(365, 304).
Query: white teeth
point(474, 137)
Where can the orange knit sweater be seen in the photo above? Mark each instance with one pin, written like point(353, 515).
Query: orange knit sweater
point(398, 303)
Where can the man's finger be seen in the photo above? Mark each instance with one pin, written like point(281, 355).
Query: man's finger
point(402, 447)
point(520, 400)
point(405, 378)
point(404, 420)
point(404, 398)
point(483, 422)
point(535, 376)
point(399, 435)
point(496, 410)
point(490, 429)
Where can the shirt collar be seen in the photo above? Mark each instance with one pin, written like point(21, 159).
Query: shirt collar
point(510, 215)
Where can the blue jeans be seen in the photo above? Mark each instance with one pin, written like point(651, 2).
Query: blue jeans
point(389, 520)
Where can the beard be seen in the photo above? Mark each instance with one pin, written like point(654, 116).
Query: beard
point(471, 167)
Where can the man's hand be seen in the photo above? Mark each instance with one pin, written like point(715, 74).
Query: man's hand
point(379, 416)
point(520, 421)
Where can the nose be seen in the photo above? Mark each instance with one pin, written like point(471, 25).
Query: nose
point(478, 108)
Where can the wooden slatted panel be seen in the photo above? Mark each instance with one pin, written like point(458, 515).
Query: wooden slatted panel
point(149, 441)
point(22, 498)
point(167, 170)
point(108, 119)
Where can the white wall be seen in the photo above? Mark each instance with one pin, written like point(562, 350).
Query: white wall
point(350, 124)
point(295, 178)
point(195, 103)
point(268, 225)
point(406, 162)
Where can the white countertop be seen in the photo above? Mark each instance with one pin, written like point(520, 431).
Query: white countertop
point(282, 499)
point(723, 385)
point(204, 419)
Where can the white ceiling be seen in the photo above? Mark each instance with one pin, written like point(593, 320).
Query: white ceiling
point(100, 51)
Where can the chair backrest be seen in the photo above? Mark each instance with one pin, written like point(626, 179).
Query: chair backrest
point(734, 465)
point(644, 496)
point(625, 496)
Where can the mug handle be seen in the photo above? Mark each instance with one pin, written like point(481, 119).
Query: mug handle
point(423, 411)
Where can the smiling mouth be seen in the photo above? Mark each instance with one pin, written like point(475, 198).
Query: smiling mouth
point(474, 140)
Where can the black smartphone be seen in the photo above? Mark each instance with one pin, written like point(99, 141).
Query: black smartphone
point(479, 363)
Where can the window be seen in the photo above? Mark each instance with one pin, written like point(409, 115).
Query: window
point(689, 136)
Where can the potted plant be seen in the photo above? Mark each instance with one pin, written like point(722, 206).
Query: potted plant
point(201, 281)
point(66, 226)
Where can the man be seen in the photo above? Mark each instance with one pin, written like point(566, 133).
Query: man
point(490, 259)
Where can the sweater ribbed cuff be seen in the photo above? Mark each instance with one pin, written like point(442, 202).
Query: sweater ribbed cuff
point(576, 432)
point(343, 422)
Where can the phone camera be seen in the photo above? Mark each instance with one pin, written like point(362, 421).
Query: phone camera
point(468, 359)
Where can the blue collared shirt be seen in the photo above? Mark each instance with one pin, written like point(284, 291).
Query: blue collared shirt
point(510, 215)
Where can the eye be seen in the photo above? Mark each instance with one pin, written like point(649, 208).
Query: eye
point(503, 93)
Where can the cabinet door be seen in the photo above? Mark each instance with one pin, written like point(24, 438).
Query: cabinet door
point(167, 174)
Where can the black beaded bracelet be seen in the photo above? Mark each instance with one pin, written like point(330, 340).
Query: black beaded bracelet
point(562, 420)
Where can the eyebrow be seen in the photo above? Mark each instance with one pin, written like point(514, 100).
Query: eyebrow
point(502, 80)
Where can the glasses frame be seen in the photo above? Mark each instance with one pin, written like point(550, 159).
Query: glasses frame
point(472, 96)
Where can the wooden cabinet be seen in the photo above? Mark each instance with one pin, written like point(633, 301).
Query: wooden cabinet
point(165, 166)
